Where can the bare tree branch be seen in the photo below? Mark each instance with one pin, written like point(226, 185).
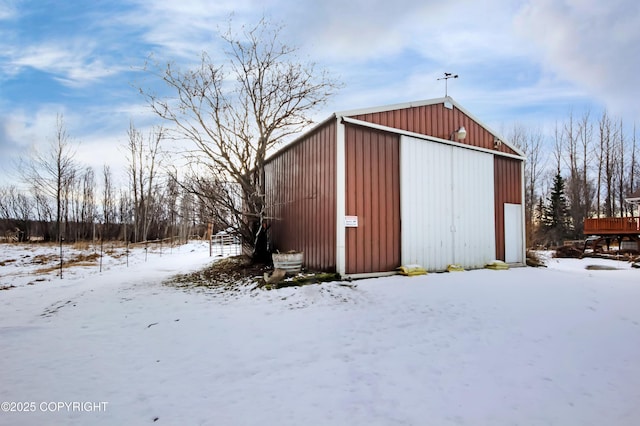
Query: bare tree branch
point(236, 112)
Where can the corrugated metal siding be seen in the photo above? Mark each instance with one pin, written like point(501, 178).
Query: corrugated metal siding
point(372, 194)
point(301, 194)
point(474, 217)
point(508, 189)
point(435, 120)
point(446, 205)
point(426, 203)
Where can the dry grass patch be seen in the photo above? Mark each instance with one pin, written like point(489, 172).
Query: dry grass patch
point(77, 260)
point(41, 259)
point(233, 274)
point(229, 273)
point(81, 246)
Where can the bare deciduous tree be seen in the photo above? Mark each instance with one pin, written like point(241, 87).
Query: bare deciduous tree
point(108, 201)
point(8, 196)
point(16, 210)
point(633, 165)
point(144, 155)
point(531, 143)
point(586, 142)
point(237, 110)
point(577, 137)
point(88, 211)
point(620, 170)
point(50, 173)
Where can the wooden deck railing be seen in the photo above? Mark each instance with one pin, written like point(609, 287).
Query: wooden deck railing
point(612, 225)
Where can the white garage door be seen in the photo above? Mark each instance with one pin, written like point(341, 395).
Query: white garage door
point(446, 205)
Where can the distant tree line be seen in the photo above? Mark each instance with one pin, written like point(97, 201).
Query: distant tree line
point(62, 200)
point(585, 168)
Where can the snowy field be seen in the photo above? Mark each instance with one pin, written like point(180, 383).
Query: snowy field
point(548, 346)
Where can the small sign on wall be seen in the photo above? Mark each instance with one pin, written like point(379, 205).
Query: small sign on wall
point(351, 221)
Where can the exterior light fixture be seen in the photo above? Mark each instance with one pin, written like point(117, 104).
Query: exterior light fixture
point(461, 133)
point(496, 142)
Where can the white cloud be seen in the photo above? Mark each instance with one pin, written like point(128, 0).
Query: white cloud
point(179, 30)
point(22, 132)
point(594, 43)
point(449, 31)
point(96, 131)
point(8, 9)
point(336, 30)
point(70, 61)
point(27, 130)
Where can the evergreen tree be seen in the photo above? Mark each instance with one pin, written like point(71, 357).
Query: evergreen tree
point(539, 212)
point(556, 220)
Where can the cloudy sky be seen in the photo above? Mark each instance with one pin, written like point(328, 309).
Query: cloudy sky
point(528, 62)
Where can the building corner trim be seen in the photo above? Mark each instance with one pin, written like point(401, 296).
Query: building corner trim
point(340, 197)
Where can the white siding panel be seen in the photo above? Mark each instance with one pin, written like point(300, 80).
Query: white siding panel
point(474, 210)
point(426, 203)
point(446, 205)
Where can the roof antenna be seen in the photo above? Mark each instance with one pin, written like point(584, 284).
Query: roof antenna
point(447, 76)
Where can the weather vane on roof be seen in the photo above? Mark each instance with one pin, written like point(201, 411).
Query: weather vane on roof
point(447, 76)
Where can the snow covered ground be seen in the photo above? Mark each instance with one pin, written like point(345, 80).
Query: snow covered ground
point(549, 346)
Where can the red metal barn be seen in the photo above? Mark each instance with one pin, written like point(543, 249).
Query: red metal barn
point(425, 183)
